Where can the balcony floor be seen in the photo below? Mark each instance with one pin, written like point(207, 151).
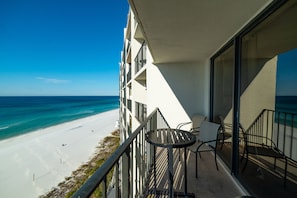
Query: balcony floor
point(262, 179)
point(210, 183)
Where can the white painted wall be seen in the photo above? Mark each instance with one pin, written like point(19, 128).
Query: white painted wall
point(139, 92)
point(180, 90)
point(259, 95)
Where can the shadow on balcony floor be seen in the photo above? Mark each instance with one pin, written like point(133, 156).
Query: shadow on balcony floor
point(261, 179)
point(210, 183)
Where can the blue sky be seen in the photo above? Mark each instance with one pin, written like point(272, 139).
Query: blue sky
point(61, 47)
point(287, 74)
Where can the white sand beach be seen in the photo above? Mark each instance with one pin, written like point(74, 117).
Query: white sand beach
point(31, 164)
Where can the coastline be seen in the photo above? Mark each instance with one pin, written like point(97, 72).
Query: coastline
point(33, 163)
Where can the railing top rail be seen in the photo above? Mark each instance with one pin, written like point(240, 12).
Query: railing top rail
point(92, 183)
point(277, 111)
point(268, 110)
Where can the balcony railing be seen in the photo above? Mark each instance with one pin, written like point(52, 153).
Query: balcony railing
point(129, 104)
point(129, 74)
point(281, 127)
point(129, 164)
point(140, 59)
point(140, 111)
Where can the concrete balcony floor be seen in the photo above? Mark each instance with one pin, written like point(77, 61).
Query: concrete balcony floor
point(262, 179)
point(259, 176)
point(211, 183)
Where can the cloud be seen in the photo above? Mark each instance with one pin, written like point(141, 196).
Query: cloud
point(52, 80)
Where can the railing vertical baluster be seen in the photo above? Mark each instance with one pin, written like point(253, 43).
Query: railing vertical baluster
point(141, 160)
point(117, 180)
point(128, 152)
point(292, 136)
point(272, 124)
point(267, 125)
point(277, 138)
point(284, 136)
point(104, 187)
point(131, 167)
point(144, 156)
point(136, 165)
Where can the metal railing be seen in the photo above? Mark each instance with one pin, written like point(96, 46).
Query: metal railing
point(129, 75)
point(131, 163)
point(140, 111)
point(281, 127)
point(140, 59)
point(129, 104)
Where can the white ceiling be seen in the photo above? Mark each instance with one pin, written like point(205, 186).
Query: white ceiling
point(191, 30)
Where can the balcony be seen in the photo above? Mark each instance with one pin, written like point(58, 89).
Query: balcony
point(140, 59)
point(133, 176)
point(129, 73)
point(140, 111)
point(129, 104)
point(133, 161)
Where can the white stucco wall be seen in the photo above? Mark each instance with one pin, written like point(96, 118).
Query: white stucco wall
point(179, 90)
point(259, 95)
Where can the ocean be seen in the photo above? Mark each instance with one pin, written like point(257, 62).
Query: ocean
point(286, 104)
point(20, 115)
point(287, 108)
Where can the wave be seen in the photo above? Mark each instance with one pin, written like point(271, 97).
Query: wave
point(78, 113)
point(12, 125)
point(3, 128)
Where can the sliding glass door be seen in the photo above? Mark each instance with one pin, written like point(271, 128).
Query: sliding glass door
point(265, 55)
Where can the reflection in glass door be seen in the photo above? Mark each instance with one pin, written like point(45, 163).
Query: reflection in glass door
point(268, 85)
point(223, 97)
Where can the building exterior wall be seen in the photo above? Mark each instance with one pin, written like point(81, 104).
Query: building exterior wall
point(182, 89)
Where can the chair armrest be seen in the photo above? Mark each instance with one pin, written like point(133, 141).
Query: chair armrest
point(266, 141)
point(180, 125)
point(206, 142)
point(195, 130)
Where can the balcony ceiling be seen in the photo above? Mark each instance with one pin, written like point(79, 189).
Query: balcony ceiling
point(191, 30)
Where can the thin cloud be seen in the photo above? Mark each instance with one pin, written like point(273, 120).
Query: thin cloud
point(52, 80)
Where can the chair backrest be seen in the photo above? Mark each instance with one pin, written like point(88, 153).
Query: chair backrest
point(197, 120)
point(209, 132)
point(221, 121)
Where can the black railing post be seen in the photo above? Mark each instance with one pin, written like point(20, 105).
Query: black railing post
point(117, 181)
point(104, 187)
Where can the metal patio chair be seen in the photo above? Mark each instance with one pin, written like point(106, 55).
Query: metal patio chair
point(255, 144)
point(206, 141)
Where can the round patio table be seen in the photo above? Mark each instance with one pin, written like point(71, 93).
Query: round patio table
point(172, 138)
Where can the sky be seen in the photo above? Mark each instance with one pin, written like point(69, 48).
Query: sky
point(61, 47)
point(286, 79)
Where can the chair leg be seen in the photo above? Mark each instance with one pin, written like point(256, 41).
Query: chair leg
point(246, 161)
point(242, 155)
point(216, 160)
point(223, 141)
point(196, 164)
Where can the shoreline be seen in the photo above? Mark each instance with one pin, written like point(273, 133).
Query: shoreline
point(36, 162)
point(52, 125)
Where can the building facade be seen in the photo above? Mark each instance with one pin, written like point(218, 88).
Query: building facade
point(229, 58)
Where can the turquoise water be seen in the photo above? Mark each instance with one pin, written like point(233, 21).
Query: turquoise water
point(19, 115)
point(286, 108)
